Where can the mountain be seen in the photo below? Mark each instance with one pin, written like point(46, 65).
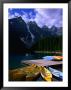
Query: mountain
point(46, 31)
point(59, 31)
point(56, 31)
point(53, 31)
point(19, 30)
point(23, 36)
point(35, 30)
point(20, 39)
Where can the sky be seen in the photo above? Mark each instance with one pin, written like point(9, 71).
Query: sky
point(42, 16)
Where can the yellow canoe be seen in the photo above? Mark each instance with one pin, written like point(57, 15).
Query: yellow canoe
point(28, 73)
point(46, 74)
point(58, 58)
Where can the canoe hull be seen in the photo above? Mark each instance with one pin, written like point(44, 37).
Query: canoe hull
point(46, 74)
point(32, 78)
point(56, 74)
point(46, 78)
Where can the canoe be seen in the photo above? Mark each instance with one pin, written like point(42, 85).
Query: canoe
point(32, 72)
point(56, 73)
point(16, 75)
point(46, 74)
point(28, 73)
point(58, 58)
point(32, 77)
point(48, 58)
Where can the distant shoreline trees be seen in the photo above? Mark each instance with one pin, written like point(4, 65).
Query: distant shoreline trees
point(49, 44)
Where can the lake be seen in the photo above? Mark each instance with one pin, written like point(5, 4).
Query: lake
point(15, 59)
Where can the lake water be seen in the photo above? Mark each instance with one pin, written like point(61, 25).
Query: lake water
point(15, 59)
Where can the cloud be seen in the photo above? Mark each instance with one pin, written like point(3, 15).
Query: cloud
point(10, 16)
point(42, 16)
point(16, 14)
point(25, 16)
point(48, 17)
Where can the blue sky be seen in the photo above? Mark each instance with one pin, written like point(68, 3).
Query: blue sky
point(48, 17)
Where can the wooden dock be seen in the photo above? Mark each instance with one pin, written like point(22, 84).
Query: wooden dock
point(41, 62)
